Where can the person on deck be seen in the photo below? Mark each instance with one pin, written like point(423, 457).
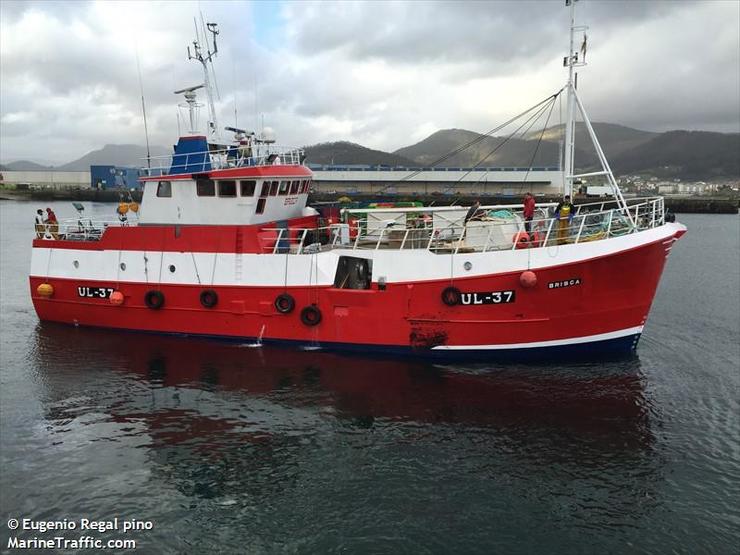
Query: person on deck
point(39, 225)
point(52, 224)
point(474, 213)
point(564, 212)
point(529, 206)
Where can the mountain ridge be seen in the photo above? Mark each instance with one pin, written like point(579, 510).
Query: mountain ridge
point(689, 154)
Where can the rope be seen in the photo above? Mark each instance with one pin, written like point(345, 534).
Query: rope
point(532, 119)
point(536, 148)
point(481, 137)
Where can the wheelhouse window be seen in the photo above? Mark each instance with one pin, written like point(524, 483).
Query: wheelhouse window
point(164, 189)
point(205, 188)
point(273, 188)
point(294, 187)
point(265, 189)
point(227, 188)
point(284, 187)
point(248, 188)
point(261, 205)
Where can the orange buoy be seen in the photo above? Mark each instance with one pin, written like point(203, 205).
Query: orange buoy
point(45, 290)
point(116, 298)
point(133, 206)
point(528, 279)
point(122, 208)
point(521, 238)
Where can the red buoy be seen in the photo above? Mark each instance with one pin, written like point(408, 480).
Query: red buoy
point(528, 279)
point(116, 298)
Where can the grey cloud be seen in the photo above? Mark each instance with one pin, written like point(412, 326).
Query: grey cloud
point(501, 33)
point(12, 10)
point(73, 96)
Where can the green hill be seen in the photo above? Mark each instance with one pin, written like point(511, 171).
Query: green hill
point(687, 154)
point(344, 153)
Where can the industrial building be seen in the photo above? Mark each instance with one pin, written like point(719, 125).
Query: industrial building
point(346, 179)
point(99, 177)
point(46, 179)
point(114, 177)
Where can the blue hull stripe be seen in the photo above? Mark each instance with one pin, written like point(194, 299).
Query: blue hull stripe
point(595, 350)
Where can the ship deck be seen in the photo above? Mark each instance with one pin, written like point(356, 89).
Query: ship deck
point(441, 230)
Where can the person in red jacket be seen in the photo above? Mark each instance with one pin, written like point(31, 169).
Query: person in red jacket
point(51, 223)
point(529, 206)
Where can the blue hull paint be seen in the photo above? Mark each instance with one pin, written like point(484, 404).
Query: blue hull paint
point(595, 350)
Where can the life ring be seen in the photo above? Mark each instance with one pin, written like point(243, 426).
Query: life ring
point(451, 296)
point(154, 299)
point(284, 303)
point(208, 298)
point(311, 315)
point(521, 239)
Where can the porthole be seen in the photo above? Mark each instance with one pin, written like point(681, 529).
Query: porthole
point(123, 266)
point(468, 266)
point(76, 263)
point(172, 268)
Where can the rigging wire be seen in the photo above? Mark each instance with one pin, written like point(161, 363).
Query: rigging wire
point(531, 119)
point(482, 136)
point(537, 147)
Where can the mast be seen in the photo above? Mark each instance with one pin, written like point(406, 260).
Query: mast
point(570, 61)
point(574, 102)
point(213, 128)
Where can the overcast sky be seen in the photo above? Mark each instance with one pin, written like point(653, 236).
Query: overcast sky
point(382, 74)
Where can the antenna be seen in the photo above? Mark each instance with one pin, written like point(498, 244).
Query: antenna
point(233, 78)
point(143, 108)
point(192, 105)
point(212, 28)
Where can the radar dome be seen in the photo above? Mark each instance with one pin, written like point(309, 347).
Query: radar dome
point(268, 135)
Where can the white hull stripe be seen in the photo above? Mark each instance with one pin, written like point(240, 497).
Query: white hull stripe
point(554, 343)
point(270, 270)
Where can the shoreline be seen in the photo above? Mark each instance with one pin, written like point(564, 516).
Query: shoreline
point(677, 205)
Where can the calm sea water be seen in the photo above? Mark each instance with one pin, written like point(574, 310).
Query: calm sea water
point(240, 449)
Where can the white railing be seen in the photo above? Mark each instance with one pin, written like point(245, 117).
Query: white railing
point(80, 229)
point(220, 159)
point(590, 222)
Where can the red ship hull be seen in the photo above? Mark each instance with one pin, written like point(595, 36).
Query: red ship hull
point(598, 305)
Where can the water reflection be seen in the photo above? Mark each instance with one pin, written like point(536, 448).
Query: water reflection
point(223, 420)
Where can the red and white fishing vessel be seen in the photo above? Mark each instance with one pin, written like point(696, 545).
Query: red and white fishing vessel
point(225, 246)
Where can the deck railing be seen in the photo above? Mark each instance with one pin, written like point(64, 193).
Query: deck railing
point(447, 234)
point(80, 229)
point(220, 159)
point(590, 222)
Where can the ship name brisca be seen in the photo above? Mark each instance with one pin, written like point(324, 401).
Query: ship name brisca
point(564, 283)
